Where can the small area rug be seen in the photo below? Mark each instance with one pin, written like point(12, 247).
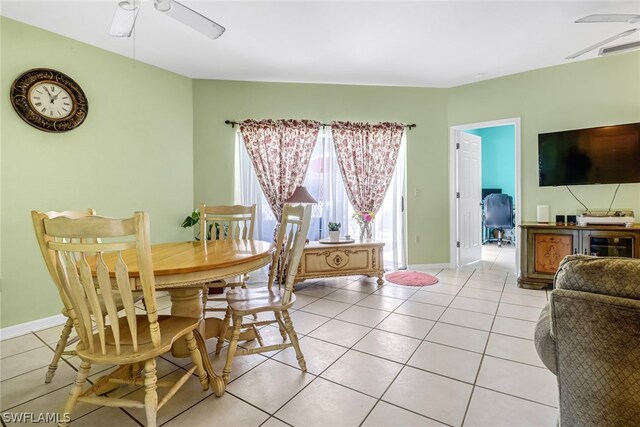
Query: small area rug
point(411, 278)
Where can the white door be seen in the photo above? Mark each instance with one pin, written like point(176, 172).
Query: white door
point(469, 191)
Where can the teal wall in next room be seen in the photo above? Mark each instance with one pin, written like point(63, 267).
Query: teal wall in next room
point(498, 157)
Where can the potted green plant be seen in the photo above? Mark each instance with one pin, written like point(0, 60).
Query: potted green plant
point(334, 231)
point(193, 220)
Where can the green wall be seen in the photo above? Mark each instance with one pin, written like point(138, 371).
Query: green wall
point(427, 169)
point(133, 152)
point(583, 94)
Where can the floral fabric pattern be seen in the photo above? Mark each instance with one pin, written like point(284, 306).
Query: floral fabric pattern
point(280, 151)
point(367, 154)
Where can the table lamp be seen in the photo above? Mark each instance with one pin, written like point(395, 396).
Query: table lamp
point(301, 195)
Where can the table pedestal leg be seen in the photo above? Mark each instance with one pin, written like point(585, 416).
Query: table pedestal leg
point(186, 302)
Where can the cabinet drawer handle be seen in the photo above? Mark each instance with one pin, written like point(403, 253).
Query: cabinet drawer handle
point(575, 251)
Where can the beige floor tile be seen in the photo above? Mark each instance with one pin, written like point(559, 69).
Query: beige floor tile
point(105, 417)
point(362, 372)
point(483, 294)
point(363, 316)
point(418, 309)
point(406, 325)
point(52, 335)
point(273, 422)
point(336, 282)
point(316, 290)
point(303, 300)
point(306, 322)
point(396, 292)
point(470, 319)
point(514, 327)
point(512, 348)
point(472, 304)
point(434, 396)
point(489, 275)
point(442, 288)
point(324, 403)
point(220, 411)
point(388, 345)
point(20, 344)
point(270, 336)
point(340, 333)
point(365, 286)
point(380, 302)
point(270, 385)
point(31, 385)
point(453, 272)
point(458, 336)
point(485, 284)
point(448, 361)
point(319, 355)
point(20, 363)
point(385, 415)
point(519, 312)
point(188, 395)
point(527, 300)
point(434, 298)
point(451, 280)
point(325, 307)
point(346, 296)
point(512, 288)
point(491, 409)
point(518, 379)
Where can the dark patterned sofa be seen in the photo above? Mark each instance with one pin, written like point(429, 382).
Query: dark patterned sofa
point(589, 336)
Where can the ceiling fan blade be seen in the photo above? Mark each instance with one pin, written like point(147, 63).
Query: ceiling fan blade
point(612, 17)
point(125, 18)
point(190, 18)
point(602, 43)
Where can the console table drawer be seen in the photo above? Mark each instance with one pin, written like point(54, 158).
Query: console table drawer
point(329, 261)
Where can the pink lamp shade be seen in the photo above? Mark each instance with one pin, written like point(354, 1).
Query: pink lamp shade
point(301, 195)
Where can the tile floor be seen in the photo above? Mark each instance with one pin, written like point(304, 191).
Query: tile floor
point(458, 353)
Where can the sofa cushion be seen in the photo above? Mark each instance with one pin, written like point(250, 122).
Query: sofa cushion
point(618, 277)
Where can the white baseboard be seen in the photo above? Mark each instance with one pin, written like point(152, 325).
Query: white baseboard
point(428, 266)
point(32, 326)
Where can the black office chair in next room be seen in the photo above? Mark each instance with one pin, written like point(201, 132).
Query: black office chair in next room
point(498, 214)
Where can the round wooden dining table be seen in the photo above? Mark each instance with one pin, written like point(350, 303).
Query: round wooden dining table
point(183, 268)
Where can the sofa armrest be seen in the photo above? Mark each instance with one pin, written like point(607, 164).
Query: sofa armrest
point(545, 342)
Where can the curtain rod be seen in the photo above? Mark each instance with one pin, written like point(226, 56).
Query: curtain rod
point(233, 124)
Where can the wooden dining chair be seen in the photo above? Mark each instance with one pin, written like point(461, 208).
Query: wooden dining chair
point(276, 297)
point(64, 340)
point(225, 223)
point(79, 249)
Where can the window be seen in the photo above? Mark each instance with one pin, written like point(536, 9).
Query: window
point(324, 182)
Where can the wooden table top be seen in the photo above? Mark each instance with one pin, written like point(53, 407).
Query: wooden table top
point(191, 256)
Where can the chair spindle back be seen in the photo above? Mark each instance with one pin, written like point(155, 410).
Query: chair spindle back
point(89, 254)
point(227, 222)
point(290, 241)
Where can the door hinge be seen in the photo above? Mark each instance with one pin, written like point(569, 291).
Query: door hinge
point(401, 203)
point(457, 244)
point(457, 194)
point(457, 145)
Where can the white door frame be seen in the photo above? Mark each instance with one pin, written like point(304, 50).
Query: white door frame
point(453, 176)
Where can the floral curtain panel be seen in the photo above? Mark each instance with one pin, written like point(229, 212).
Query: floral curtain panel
point(280, 151)
point(367, 154)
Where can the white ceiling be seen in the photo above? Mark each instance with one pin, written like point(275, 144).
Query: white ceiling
point(395, 43)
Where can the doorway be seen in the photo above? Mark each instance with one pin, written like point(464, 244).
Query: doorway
point(496, 147)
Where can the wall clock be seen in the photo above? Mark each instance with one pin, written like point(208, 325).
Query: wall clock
point(49, 100)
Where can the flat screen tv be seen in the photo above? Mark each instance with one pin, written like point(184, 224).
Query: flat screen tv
point(602, 155)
